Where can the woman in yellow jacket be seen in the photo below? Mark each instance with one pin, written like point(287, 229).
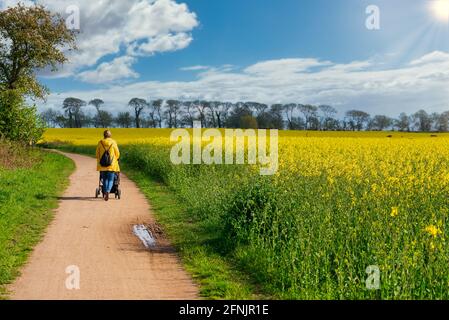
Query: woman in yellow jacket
point(107, 174)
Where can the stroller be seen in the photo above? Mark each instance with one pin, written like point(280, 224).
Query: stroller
point(115, 188)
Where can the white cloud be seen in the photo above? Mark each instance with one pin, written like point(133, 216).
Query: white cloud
point(118, 69)
point(151, 18)
point(162, 43)
point(136, 27)
point(285, 66)
point(195, 68)
point(436, 56)
point(352, 66)
point(362, 84)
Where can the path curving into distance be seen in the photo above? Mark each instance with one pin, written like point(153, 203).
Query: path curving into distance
point(96, 238)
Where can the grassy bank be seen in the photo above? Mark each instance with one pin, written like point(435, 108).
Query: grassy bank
point(30, 182)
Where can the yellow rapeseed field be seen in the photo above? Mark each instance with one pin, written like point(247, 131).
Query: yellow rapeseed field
point(340, 203)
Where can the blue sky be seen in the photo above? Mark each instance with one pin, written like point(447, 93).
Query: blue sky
point(242, 33)
point(304, 51)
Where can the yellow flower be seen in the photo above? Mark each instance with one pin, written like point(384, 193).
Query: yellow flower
point(394, 211)
point(433, 231)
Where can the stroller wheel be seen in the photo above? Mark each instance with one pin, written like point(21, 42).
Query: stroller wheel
point(119, 194)
point(97, 193)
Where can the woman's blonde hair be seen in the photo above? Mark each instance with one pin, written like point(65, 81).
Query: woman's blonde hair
point(107, 134)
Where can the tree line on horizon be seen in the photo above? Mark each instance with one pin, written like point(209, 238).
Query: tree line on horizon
point(246, 115)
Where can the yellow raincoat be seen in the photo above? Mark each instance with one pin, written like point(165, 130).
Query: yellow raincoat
point(111, 145)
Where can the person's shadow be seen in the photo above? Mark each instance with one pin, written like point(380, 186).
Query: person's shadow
point(77, 198)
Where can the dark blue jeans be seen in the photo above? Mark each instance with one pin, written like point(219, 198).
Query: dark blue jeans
point(108, 180)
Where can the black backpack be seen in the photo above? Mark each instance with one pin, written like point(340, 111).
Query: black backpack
point(106, 159)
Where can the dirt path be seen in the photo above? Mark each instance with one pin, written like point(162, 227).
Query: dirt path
point(97, 238)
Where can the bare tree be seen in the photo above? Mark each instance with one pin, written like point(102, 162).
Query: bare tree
point(189, 113)
point(258, 108)
point(289, 110)
point(403, 123)
point(138, 105)
point(222, 110)
point(72, 107)
point(155, 113)
point(357, 119)
point(202, 107)
point(328, 121)
point(103, 119)
point(422, 121)
point(97, 103)
point(158, 114)
point(441, 121)
point(310, 115)
point(50, 117)
point(124, 120)
point(380, 123)
point(173, 113)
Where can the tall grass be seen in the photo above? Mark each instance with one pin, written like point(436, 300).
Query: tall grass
point(312, 235)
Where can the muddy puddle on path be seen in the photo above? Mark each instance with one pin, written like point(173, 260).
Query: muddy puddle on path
point(148, 234)
point(145, 235)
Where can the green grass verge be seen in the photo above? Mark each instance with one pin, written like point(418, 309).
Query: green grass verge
point(27, 197)
point(216, 274)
